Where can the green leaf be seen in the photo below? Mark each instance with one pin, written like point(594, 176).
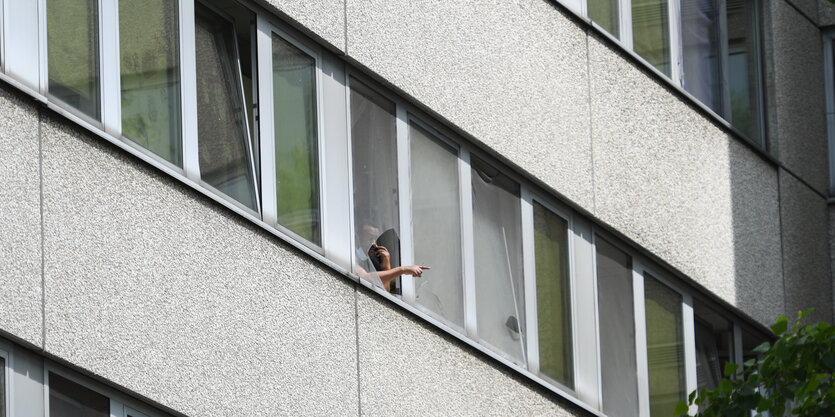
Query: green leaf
point(763, 348)
point(781, 325)
point(730, 369)
point(681, 408)
point(764, 405)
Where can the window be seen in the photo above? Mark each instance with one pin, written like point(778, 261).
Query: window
point(296, 140)
point(149, 43)
point(553, 295)
point(69, 399)
point(497, 234)
point(714, 346)
point(651, 32)
point(605, 13)
point(376, 206)
point(619, 377)
point(436, 220)
point(702, 51)
point(225, 146)
point(665, 347)
point(743, 68)
point(73, 54)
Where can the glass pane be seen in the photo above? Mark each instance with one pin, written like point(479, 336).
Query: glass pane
point(149, 43)
point(750, 340)
point(68, 399)
point(73, 53)
point(553, 295)
point(605, 13)
point(651, 32)
point(500, 296)
point(714, 346)
point(223, 137)
point(2, 387)
point(296, 149)
point(700, 40)
point(436, 222)
point(618, 373)
point(665, 348)
point(742, 67)
point(376, 210)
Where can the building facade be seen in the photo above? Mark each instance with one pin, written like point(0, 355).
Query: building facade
point(227, 207)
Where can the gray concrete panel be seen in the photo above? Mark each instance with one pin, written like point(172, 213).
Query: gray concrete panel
point(826, 13)
point(513, 74)
point(324, 18)
point(806, 264)
point(154, 287)
point(671, 180)
point(21, 300)
point(410, 368)
point(798, 121)
point(808, 7)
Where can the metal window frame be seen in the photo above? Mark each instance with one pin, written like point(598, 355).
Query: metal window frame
point(266, 125)
point(22, 58)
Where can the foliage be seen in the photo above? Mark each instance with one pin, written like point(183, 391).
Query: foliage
point(796, 372)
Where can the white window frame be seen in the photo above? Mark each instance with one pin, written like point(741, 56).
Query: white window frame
point(7, 391)
point(266, 102)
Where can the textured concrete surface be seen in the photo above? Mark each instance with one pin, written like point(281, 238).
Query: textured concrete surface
point(409, 368)
point(325, 18)
point(664, 178)
point(20, 219)
point(808, 7)
point(162, 291)
point(826, 13)
point(805, 249)
point(523, 94)
point(798, 120)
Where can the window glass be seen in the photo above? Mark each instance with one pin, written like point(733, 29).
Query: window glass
point(150, 73)
point(701, 51)
point(500, 307)
point(742, 67)
point(68, 399)
point(605, 13)
point(224, 145)
point(296, 149)
point(750, 340)
point(73, 53)
point(651, 32)
point(376, 216)
point(436, 222)
point(553, 295)
point(619, 377)
point(714, 346)
point(665, 347)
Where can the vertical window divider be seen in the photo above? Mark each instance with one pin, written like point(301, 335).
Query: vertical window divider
point(689, 324)
point(117, 409)
point(642, 366)
point(188, 88)
point(529, 274)
point(404, 179)
point(676, 49)
point(43, 70)
point(758, 101)
point(111, 101)
point(470, 315)
point(3, 36)
point(724, 66)
point(350, 153)
point(625, 22)
point(584, 311)
point(335, 153)
point(267, 122)
point(738, 350)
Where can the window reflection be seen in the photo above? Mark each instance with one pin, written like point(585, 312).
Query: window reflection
point(651, 32)
point(437, 225)
point(149, 43)
point(714, 346)
point(701, 51)
point(224, 143)
point(500, 292)
point(605, 13)
point(553, 295)
point(73, 54)
point(665, 347)
point(296, 137)
point(743, 74)
point(68, 399)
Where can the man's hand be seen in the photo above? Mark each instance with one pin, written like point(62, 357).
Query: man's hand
point(414, 270)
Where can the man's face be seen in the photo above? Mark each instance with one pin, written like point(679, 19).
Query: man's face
point(368, 235)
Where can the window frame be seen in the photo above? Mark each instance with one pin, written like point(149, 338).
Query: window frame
point(5, 353)
point(829, 88)
point(266, 138)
